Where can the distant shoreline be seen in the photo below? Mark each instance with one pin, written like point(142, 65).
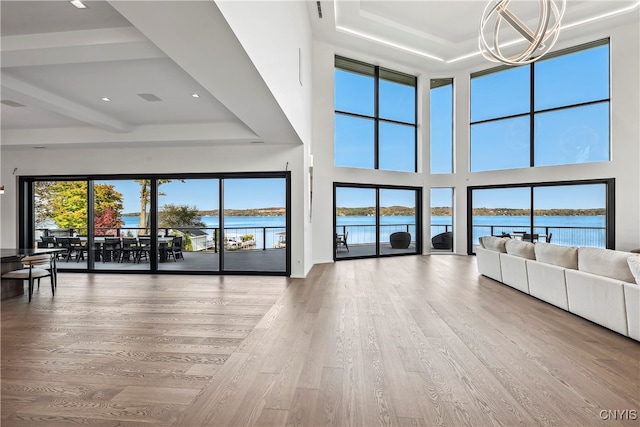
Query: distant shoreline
point(405, 211)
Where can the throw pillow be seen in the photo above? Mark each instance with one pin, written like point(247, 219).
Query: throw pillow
point(495, 244)
point(605, 262)
point(562, 256)
point(520, 248)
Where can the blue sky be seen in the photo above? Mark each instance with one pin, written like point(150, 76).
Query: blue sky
point(203, 193)
point(562, 137)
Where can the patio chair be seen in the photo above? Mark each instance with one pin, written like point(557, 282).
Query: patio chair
point(129, 249)
point(530, 237)
point(175, 250)
point(110, 249)
point(549, 237)
point(341, 240)
point(144, 248)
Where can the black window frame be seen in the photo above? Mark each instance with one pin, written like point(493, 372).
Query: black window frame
point(26, 215)
point(380, 73)
point(532, 111)
point(610, 208)
point(377, 188)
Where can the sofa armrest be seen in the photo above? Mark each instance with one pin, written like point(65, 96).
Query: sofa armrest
point(489, 263)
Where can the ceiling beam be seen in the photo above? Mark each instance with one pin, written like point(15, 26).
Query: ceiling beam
point(28, 94)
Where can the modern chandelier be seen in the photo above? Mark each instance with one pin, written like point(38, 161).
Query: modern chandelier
point(497, 15)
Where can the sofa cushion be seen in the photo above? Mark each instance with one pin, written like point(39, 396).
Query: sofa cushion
point(562, 256)
point(605, 262)
point(496, 244)
point(634, 266)
point(520, 248)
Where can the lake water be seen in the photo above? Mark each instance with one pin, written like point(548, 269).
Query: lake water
point(362, 228)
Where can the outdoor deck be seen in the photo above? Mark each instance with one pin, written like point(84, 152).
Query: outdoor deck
point(269, 260)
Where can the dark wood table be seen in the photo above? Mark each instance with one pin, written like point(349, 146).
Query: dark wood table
point(10, 260)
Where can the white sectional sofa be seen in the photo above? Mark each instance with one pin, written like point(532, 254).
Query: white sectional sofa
point(600, 285)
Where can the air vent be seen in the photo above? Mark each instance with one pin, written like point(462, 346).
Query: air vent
point(149, 97)
point(10, 103)
point(319, 9)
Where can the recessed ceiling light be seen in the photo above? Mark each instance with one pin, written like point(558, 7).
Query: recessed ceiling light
point(195, 95)
point(78, 4)
point(105, 99)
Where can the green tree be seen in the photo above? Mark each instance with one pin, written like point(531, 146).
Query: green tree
point(179, 216)
point(68, 205)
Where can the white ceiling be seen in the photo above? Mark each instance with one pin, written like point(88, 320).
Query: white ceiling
point(59, 61)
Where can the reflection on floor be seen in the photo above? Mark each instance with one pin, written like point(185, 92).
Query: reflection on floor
point(269, 260)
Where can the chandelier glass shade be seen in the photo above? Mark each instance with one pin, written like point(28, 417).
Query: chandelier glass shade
point(497, 17)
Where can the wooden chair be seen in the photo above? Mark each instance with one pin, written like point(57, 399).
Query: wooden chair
point(36, 267)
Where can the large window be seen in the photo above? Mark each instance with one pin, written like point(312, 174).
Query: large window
point(182, 223)
point(376, 221)
point(578, 213)
point(375, 117)
point(441, 220)
point(441, 125)
point(552, 112)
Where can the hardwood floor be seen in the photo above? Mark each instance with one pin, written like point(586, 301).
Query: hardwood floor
point(399, 341)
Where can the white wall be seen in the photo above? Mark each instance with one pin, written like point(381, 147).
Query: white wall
point(277, 37)
point(244, 158)
point(625, 137)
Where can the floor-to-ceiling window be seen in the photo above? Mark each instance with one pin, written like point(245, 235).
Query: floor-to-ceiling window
point(441, 220)
point(198, 223)
point(254, 224)
point(376, 221)
point(578, 213)
point(188, 225)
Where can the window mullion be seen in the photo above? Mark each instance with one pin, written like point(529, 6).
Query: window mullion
point(532, 119)
point(376, 113)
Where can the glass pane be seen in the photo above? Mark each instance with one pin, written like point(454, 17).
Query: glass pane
point(397, 102)
point(574, 135)
point(398, 221)
point(355, 222)
point(572, 79)
point(572, 215)
point(501, 211)
point(441, 220)
point(397, 147)
point(60, 217)
point(254, 236)
point(118, 221)
point(188, 224)
point(500, 94)
point(353, 142)
point(503, 144)
point(353, 93)
point(441, 128)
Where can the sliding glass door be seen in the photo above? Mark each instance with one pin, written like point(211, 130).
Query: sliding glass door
point(374, 221)
point(575, 213)
point(196, 223)
point(254, 236)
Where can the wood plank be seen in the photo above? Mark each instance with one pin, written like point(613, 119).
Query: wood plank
point(420, 340)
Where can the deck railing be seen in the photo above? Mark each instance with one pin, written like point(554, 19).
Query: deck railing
point(202, 238)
